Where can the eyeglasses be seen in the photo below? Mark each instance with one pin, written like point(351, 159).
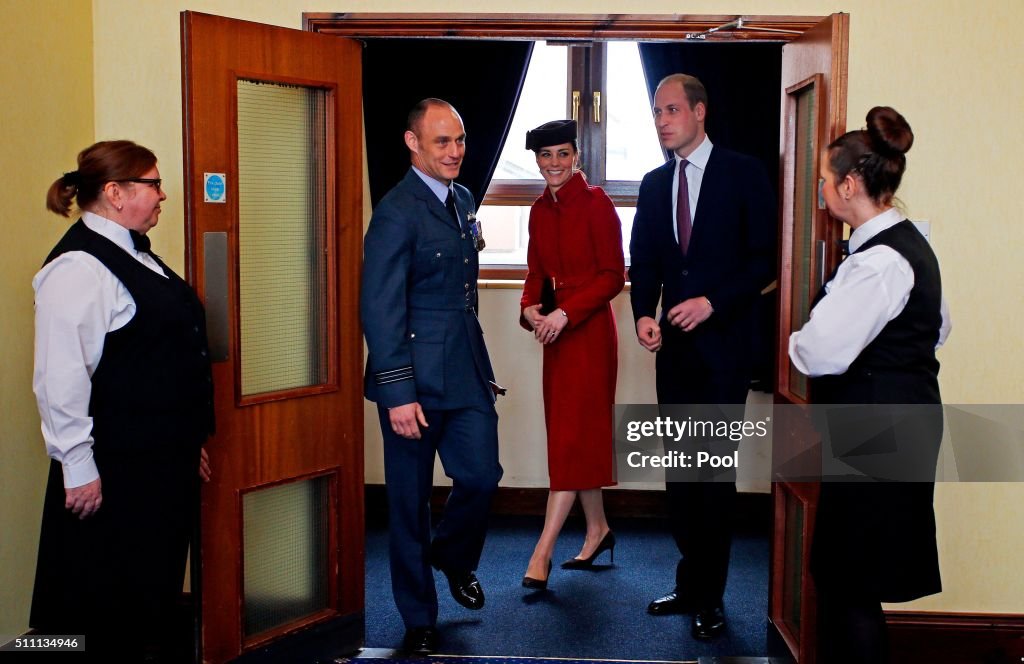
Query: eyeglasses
point(155, 182)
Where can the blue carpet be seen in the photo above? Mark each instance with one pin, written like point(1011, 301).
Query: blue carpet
point(470, 659)
point(597, 614)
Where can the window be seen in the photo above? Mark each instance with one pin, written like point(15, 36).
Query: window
point(602, 85)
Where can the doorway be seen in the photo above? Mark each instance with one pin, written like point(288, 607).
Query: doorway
point(813, 49)
point(811, 45)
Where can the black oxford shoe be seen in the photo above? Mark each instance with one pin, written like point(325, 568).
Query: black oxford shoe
point(466, 589)
point(420, 641)
point(708, 623)
point(669, 604)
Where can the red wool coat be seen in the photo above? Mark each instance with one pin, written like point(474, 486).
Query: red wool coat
point(577, 241)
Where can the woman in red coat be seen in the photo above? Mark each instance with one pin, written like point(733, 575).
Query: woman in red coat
point(575, 269)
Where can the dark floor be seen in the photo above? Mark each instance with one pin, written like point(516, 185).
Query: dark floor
point(596, 614)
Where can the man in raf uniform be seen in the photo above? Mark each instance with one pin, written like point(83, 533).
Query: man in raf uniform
point(429, 373)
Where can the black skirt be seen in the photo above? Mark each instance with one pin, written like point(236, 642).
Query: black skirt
point(117, 575)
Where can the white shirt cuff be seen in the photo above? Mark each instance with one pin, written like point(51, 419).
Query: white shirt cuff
point(81, 471)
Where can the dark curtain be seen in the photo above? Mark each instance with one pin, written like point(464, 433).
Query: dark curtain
point(481, 79)
point(743, 82)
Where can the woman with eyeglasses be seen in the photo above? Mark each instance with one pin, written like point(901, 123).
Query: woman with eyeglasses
point(575, 269)
point(122, 380)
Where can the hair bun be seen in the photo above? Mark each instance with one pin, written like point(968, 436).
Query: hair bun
point(889, 132)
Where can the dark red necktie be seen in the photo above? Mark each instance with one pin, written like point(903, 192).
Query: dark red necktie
point(683, 223)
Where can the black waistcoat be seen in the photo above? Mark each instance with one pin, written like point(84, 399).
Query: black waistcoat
point(899, 365)
point(152, 387)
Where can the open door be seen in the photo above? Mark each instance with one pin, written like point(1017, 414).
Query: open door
point(813, 115)
point(273, 232)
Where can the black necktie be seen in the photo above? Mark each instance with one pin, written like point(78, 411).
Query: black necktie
point(450, 204)
point(140, 241)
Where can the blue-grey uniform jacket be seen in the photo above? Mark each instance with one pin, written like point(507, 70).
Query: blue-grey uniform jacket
point(419, 300)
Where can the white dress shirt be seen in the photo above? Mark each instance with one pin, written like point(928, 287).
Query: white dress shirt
point(870, 289)
point(694, 176)
point(77, 302)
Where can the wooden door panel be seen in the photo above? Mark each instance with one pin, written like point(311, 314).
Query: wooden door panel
point(814, 61)
point(814, 82)
point(268, 440)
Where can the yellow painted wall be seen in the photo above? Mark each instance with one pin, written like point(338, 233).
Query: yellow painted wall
point(953, 68)
point(46, 117)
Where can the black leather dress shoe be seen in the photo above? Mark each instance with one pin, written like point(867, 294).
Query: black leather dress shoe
point(708, 622)
point(669, 604)
point(420, 641)
point(466, 589)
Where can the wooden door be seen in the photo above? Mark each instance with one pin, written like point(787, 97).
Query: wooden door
point(273, 184)
point(813, 114)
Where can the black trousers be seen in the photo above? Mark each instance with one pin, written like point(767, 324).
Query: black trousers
point(701, 506)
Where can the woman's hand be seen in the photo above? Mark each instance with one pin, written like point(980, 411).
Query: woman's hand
point(533, 316)
point(550, 327)
point(83, 501)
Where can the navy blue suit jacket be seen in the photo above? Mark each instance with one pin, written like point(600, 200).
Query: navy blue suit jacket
point(418, 303)
point(731, 256)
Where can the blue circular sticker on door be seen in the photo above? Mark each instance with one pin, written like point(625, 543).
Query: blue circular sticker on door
point(215, 187)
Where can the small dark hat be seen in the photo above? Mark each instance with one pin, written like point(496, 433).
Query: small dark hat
point(555, 132)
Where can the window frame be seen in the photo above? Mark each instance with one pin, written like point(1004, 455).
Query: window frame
point(587, 64)
point(572, 29)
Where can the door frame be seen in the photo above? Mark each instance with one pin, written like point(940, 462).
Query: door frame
point(558, 27)
point(816, 61)
point(590, 27)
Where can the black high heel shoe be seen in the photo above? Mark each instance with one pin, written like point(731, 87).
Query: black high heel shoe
point(607, 544)
point(537, 584)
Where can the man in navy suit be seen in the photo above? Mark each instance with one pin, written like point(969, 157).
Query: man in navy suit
point(704, 243)
point(429, 373)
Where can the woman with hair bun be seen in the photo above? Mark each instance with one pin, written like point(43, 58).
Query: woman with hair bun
point(871, 339)
point(122, 381)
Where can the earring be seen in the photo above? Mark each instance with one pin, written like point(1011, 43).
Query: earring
point(120, 207)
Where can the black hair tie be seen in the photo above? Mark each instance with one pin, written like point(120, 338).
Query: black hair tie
point(71, 178)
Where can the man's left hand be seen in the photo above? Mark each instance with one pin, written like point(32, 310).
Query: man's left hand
point(688, 314)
